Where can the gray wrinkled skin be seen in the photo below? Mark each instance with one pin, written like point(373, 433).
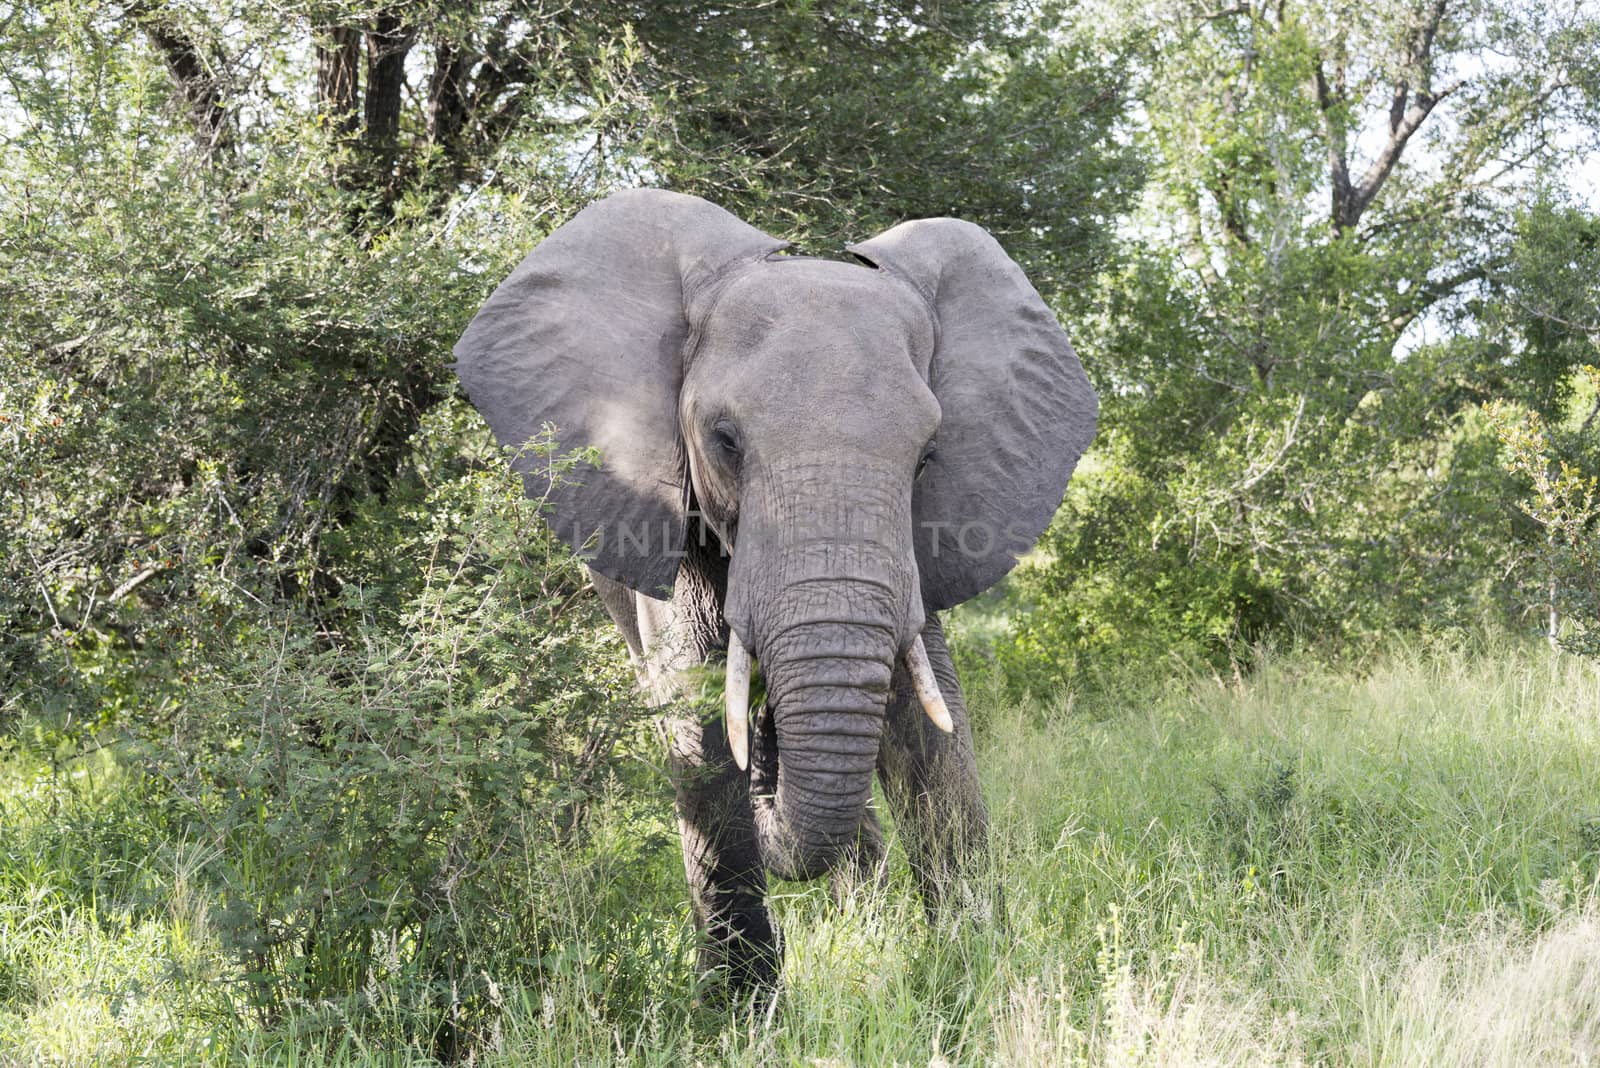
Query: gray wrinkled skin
point(762, 421)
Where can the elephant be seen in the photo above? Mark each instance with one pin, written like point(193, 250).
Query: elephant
point(802, 461)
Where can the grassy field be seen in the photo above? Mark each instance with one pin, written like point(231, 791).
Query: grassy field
point(1394, 863)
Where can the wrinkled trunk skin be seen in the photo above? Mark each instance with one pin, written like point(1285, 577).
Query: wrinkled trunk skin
point(827, 686)
point(822, 590)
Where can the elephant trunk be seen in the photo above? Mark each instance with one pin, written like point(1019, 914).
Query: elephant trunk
point(816, 749)
point(823, 586)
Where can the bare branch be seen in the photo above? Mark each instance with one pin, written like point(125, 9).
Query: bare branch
point(1397, 106)
point(1333, 128)
point(1407, 111)
point(135, 582)
point(1410, 122)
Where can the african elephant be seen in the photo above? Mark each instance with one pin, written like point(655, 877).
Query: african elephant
point(801, 460)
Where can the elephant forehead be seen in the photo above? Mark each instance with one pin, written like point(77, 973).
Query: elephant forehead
point(821, 304)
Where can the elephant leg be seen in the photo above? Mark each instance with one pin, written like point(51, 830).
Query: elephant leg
point(931, 780)
point(727, 882)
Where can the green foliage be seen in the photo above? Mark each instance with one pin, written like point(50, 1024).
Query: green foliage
point(381, 811)
point(212, 368)
point(837, 121)
point(1284, 447)
point(1543, 322)
point(1564, 503)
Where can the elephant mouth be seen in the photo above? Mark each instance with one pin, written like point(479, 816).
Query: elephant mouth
point(763, 755)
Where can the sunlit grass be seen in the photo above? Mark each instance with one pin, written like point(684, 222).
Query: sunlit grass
point(1387, 864)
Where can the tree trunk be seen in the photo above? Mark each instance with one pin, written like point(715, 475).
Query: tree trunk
point(447, 105)
point(338, 76)
point(387, 44)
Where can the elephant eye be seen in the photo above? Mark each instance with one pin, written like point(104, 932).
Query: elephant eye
point(922, 464)
point(725, 441)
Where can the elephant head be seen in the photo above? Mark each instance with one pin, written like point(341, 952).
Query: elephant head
point(869, 441)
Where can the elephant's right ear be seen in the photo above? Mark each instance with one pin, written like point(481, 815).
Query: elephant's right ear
point(587, 334)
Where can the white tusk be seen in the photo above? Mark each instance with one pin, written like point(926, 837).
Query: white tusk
point(736, 700)
point(928, 686)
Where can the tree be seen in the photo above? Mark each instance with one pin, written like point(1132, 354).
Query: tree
point(1283, 442)
point(1543, 323)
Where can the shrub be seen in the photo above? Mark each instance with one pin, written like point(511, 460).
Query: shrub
point(380, 807)
point(1564, 503)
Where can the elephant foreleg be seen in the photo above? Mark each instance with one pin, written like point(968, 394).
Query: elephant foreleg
point(931, 780)
point(727, 883)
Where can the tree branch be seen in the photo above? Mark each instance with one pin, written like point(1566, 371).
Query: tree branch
point(1333, 128)
point(1397, 106)
point(1404, 118)
point(134, 583)
point(199, 86)
point(1410, 122)
point(1419, 300)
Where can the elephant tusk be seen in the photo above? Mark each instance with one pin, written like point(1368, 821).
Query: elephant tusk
point(736, 700)
point(928, 686)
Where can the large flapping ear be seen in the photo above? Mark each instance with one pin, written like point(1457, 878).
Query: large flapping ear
point(587, 334)
point(1018, 410)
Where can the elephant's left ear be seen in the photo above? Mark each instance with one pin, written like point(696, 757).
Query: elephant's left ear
point(1018, 409)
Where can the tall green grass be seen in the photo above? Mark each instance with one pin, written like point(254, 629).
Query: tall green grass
point(1390, 863)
